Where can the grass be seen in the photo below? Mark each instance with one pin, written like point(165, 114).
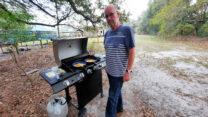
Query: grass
point(151, 43)
point(95, 45)
point(34, 42)
point(203, 64)
point(147, 45)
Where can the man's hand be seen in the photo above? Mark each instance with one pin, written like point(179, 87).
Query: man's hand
point(126, 77)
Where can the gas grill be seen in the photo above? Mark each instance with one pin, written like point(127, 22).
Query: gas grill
point(76, 67)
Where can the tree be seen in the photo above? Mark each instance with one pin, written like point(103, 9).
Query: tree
point(197, 14)
point(203, 31)
point(168, 16)
point(180, 13)
point(8, 22)
point(144, 25)
point(174, 17)
point(60, 12)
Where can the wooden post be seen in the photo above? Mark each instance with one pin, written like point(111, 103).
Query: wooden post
point(98, 36)
point(41, 43)
point(1, 49)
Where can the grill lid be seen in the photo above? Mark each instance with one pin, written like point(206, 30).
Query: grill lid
point(69, 48)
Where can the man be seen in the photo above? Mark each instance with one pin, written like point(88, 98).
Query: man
point(120, 52)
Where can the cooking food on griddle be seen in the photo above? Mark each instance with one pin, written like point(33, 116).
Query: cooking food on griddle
point(79, 65)
point(91, 60)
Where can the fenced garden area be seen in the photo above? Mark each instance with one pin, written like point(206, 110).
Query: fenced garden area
point(25, 39)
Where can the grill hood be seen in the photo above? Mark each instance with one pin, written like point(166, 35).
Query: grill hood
point(69, 48)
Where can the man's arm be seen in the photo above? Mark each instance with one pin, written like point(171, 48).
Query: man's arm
point(130, 64)
point(131, 58)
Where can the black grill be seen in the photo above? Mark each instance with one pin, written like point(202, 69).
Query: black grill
point(87, 79)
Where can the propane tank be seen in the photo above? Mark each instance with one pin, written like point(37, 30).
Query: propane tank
point(57, 107)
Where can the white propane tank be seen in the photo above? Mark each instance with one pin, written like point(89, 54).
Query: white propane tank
point(57, 107)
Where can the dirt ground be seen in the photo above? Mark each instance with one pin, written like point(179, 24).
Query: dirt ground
point(170, 79)
point(18, 97)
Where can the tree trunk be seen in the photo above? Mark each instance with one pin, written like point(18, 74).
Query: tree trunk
point(16, 47)
point(196, 31)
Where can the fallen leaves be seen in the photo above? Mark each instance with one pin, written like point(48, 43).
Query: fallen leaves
point(19, 98)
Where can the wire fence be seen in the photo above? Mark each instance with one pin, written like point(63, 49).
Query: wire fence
point(12, 37)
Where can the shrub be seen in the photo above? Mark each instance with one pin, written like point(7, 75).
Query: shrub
point(185, 29)
point(203, 31)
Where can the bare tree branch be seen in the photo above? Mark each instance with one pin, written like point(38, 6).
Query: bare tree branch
point(22, 21)
point(42, 9)
point(21, 5)
point(74, 27)
point(34, 23)
point(82, 14)
point(80, 8)
point(64, 17)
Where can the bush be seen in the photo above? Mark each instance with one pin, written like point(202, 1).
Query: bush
point(185, 29)
point(203, 31)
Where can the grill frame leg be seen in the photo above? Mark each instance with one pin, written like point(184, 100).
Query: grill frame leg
point(82, 112)
point(68, 97)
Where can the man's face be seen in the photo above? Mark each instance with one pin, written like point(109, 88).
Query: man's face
point(112, 17)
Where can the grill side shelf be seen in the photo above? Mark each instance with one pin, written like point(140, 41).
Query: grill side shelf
point(51, 77)
point(61, 85)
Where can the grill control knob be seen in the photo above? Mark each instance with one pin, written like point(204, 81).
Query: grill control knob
point(100, 65)
point(81, 75)
point(95, 68)
point(89, 71)
point(66, 83)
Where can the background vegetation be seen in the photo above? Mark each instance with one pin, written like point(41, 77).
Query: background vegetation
point(166, 18)
point(170, 18)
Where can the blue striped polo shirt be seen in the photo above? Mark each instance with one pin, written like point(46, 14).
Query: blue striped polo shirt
point(117, 43)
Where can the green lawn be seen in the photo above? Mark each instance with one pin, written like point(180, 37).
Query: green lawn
point(95, 45)
point(33, 42)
